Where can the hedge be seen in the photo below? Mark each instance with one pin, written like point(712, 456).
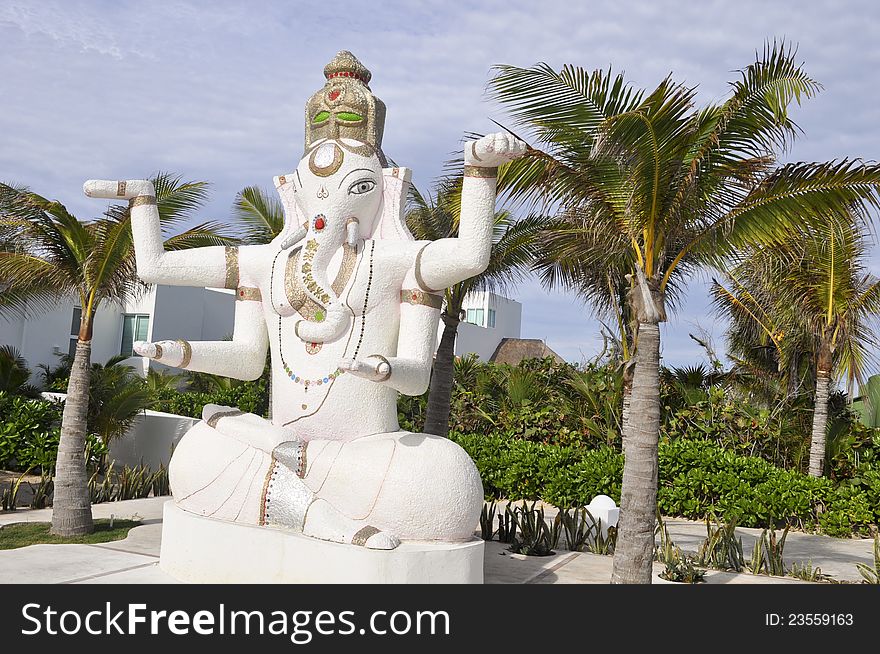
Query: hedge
point(29, 434)
point(697, 479)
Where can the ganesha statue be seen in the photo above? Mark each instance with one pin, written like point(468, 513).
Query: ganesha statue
point(347, 303)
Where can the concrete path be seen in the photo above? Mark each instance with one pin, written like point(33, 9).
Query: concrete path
point(134, 560)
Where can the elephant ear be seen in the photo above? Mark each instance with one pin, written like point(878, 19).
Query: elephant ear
point(293, 217)
point(392, 222)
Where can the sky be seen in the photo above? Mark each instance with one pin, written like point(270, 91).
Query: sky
point(215, 91)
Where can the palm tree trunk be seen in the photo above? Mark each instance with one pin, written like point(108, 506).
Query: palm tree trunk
point(440, 395)
point(634, 555)
point(627, 403)
point(71, 509)
point(820, 412)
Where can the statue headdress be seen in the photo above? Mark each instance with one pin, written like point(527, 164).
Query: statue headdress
point(345, 107)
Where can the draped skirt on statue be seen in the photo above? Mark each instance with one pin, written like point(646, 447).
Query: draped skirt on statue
point(239, 467)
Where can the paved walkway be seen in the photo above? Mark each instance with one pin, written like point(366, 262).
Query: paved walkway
point(135, 559)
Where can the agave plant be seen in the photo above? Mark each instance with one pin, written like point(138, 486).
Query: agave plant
point(767, 554)
point(722, 549)
point(536, 537)
point(872, 575)
point(487, 520)
point(579, 528)
point(806, 572)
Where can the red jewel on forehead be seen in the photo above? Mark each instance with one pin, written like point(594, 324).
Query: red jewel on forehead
point(319, 223)
point(333, 94)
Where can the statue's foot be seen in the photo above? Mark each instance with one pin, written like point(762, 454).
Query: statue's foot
point(323, 521)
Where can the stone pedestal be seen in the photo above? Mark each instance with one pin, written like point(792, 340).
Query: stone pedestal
point(202, 550)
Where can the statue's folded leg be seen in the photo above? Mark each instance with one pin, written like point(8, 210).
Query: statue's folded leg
point(417, 486)
point(228, 468)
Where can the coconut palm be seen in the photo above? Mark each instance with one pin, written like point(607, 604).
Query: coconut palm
point(647, 177)
point(260, 216)
point(117, 396)
point(56, 256)
point(14, 373)
point(513, 248)
point(814, 299)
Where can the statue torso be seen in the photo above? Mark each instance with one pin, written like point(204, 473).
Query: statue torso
point(310, 394)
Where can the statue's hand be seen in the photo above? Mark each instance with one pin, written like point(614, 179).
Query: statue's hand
point(171, 353)
point(493, 150)
point(118, 190)
point(374, 368)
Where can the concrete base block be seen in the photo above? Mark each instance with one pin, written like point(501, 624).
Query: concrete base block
point(201, 550)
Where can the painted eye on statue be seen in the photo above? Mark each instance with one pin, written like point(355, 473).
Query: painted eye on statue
point(349, 117)
point(361, 187)
point(321, 117)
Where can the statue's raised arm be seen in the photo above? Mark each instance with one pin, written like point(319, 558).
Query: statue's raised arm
point(450, 260)
point(207, 267)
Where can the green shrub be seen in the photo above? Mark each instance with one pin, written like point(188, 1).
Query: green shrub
point(697, 479)
point(30, 431)
point(518, 469)
point(252, 397)
point(848, 510)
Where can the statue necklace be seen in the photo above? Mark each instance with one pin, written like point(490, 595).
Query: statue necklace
point(330, 377)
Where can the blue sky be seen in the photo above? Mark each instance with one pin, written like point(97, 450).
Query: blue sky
point(215, 91)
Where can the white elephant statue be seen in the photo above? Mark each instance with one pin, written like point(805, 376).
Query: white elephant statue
point(348, 303)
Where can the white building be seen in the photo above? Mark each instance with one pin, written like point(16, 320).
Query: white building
point(161, 313)
point(488, 318)
point(171, 312)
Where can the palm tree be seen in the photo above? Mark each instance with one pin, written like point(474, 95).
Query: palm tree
point(56, 256)
point(14, 373)
point(513, 248)
point(259, 215)
point(813, 298)
point(117, 395)
point(670, 188)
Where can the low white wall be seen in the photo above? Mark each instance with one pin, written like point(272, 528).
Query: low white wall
point(151, 439)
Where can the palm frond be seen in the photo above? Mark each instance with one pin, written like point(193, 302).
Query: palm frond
point(259, 214)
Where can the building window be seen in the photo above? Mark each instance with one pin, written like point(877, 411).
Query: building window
point(74, 331)
point(134, 328)
point(476, 317)
point(491, 318)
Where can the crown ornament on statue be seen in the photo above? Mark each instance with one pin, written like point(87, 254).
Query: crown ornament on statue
point(346, 108)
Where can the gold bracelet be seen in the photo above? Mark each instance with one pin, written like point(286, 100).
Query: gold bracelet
point(141, 200)
point(480, 171)
point(248, 293)
point(417, 296)
point(231, 267)
point(187, 352)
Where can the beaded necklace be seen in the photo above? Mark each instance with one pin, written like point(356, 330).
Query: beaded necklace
point(329, 378)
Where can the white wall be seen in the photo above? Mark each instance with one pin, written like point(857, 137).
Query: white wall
point(192, 313)
point(11, 330)
point(482, 341)
point(150, 440)
point(218, 316)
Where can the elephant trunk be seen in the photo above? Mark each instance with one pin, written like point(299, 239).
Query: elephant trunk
point(331, 323)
